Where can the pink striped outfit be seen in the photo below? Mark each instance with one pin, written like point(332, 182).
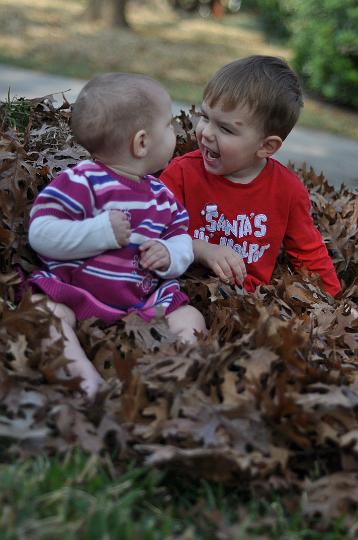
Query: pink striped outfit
point(84, 268)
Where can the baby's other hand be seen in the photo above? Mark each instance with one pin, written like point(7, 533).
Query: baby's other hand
point(120, 226)
point(224, 262)
point(154, 256)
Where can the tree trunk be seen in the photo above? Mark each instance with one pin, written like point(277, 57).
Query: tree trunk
point(94, 9)
point(119, 13)
point(113, 11)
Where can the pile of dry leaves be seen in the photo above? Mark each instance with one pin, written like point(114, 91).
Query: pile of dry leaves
point(268, 400)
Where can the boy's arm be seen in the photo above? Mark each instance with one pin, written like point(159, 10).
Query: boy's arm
point(304, 244)
point(222, 260)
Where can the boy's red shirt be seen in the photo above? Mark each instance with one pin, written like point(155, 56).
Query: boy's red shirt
point(255, 219)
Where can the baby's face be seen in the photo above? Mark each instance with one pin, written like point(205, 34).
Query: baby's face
point(228, 140)
point(162, 136)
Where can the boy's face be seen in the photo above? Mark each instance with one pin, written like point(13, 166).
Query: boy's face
point(229, 141)
point(162, 136)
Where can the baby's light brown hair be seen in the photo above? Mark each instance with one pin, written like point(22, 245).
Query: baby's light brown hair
point(266, 85)
point(111, 108)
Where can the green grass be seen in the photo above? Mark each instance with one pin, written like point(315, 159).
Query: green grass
point(180, 51)
point(76, 498)
point(15, 113)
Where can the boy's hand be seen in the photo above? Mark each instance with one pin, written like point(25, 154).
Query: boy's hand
point(222, 260)
point(120, 226)
point(154, 256)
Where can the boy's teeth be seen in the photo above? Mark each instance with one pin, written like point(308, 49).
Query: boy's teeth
point(212, 154)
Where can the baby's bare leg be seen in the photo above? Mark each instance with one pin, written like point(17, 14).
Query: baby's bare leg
point(184, 320)
point(80, 365)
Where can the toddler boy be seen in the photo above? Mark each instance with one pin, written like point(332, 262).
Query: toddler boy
point(243, 204)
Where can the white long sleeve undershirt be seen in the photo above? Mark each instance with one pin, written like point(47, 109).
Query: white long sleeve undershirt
point(64, 239)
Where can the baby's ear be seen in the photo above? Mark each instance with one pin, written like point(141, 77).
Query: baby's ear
point(140, 144)
point(269, 146)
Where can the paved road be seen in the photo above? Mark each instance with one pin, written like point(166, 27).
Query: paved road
point(336, 156)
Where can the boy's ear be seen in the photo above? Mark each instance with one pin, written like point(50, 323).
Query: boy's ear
point(269, 146)
point(140, 144)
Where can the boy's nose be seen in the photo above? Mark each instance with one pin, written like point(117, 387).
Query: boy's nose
point(207, 131)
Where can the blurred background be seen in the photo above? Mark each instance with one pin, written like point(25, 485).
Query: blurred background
point(183, 42)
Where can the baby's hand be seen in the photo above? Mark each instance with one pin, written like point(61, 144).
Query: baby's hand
point(120, 226)
point(154, 256)
point(224, 262)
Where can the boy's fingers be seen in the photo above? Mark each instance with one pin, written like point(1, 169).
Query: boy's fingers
point(238, 281)
point(238, 267)
point(242, 266)
point(225, 266)
point(239, 278)
point(239, 273)
point(234, 269)
point(220, 273)
point(228, 266)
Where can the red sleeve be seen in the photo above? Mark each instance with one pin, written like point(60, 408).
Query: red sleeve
point(304, 244)
point(172, 177)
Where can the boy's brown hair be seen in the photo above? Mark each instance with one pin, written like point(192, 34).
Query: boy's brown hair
point(264, 84)
point(111, 108)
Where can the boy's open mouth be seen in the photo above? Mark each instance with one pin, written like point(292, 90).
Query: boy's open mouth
point(210, 155)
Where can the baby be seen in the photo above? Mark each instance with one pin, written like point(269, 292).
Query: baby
point(112, 237)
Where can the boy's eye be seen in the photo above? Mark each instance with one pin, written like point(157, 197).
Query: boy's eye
point(203, 116)
point(226, 130)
